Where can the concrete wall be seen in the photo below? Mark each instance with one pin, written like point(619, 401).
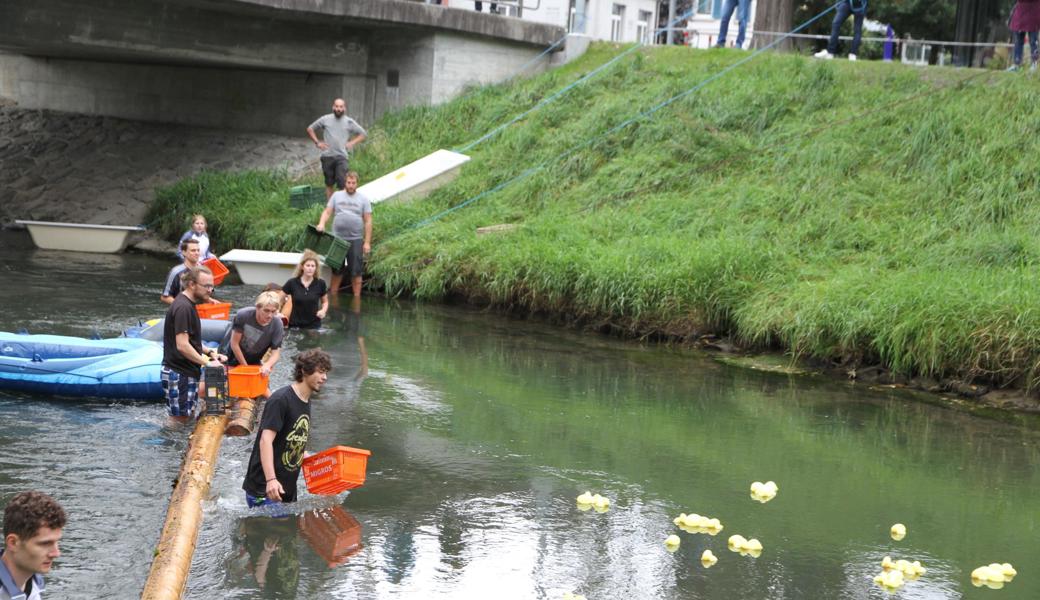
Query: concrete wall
point(247, 100)
point(460, 61)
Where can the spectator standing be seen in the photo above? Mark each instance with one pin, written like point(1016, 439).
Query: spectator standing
point(339, 135)
point(1025, 19)
point(858, 10)
point(479, 6)
point(743, 9)
point(33, 524)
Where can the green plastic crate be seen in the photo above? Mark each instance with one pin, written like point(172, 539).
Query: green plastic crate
point(332, 249)
point(306, 196)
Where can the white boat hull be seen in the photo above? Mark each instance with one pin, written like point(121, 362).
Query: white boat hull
point(416, 179)
point(260, 267)
point(79, 237)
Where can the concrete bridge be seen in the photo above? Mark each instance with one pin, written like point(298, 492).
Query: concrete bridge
point(254, 65)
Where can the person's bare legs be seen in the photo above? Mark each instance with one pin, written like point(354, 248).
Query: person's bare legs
point(355, 286)
point(337, 280)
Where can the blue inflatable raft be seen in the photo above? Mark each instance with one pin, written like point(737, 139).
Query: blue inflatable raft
point(125, 367)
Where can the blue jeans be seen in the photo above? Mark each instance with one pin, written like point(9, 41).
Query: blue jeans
point(1020, 40)
point(844, 10)
point(743, 7)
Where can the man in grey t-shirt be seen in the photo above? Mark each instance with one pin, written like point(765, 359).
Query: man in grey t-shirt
point(339, 135)
point(353, 223)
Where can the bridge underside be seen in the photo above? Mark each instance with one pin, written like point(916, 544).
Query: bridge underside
point(261, 65)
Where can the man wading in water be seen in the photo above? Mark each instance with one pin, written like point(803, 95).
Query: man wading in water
point(32, 529)
point(279, 449)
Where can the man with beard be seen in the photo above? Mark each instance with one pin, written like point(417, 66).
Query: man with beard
point(339, 135)
point(32, 529)
point(183, 354)
point(352, 221)
point(279, 449)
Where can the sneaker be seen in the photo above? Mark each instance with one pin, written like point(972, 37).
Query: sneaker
point(824, 54)
point(1013, 68)
point(852, 57)
point(1032, 67)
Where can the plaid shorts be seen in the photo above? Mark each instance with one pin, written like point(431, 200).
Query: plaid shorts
point(182, 393)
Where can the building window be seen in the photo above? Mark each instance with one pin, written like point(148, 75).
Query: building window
point(393, 78)
point(643, 26)
point(617, 20)
point(704, 7)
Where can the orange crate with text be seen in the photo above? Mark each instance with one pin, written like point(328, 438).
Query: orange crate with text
point(214, 310)
point(334, 470)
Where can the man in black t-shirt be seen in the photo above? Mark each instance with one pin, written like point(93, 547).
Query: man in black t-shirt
point(279, 449)
point(183, 355)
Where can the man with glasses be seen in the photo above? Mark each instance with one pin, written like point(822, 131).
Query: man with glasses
point(183, 354)
point(256, 332)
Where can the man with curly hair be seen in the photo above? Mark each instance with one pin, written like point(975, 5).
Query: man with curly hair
point(279, 449)
point(32, 529)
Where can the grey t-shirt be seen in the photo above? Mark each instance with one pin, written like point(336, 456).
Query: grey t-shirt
point(256, 338)
point(336, 133)
point(349, 222)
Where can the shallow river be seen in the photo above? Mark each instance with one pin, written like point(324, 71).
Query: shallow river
point(483, 430)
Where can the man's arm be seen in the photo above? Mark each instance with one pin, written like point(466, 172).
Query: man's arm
point(274, 488)
point(367, 247)
point(314, 138)
point(272, 358)
point(325, 214)
point(188, 351)
point(236, 347)
point(166, 299)
point(354, 141)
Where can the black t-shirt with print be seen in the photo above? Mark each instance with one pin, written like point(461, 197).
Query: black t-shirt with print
point(306, 302)
point(290, 418)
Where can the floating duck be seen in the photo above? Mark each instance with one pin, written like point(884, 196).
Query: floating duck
point(764, 492)
point(912, 570)
point(746, 547)
point(708, 559)
point(585, 498)
point(694, 523)
point(600, 502)
point(898, 531)
point(671, 543)
point(994, 573)
point(889, 580)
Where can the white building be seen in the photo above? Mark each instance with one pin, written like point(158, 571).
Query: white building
point(611, 20)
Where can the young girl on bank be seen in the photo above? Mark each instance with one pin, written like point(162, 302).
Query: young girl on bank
point(197, 232)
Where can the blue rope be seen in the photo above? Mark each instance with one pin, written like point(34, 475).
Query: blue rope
point(527, 173)
point(566, 88)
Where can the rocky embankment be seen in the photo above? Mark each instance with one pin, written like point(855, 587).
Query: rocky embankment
point(68, 167)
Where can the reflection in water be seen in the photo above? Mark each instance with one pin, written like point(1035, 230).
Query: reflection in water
point(266, 554)
point(333, 533)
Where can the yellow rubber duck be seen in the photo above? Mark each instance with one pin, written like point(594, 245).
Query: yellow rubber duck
point(736, 542)
point(600, 502)
point(898, 531)
point(764, 492)
point(585, 498)
point(889, 580)
point(1009, 571)
point(671, 543)
point(708, 559)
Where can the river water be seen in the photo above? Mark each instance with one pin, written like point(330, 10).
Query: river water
point(484, 429)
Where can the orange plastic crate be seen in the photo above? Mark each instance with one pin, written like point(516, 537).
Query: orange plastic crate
point(214, 310)
point(218, 268)
point(245, 381)
point(336, 469)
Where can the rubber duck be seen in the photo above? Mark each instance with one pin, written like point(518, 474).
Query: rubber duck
point(585, 498)
point(600, 501)
point(889, 580)
point(764, 492)
point(736, 542)
point(708, 559)
point(988, 576)
point(898, 531)
point(671, 543)
point(1008, 570)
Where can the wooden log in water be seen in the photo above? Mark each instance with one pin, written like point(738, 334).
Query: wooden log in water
point(172, 560)
point(243, 417)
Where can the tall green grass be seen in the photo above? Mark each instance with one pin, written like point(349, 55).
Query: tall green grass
point(863, 212)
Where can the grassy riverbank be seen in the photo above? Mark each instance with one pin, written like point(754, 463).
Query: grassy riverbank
point(865, 213)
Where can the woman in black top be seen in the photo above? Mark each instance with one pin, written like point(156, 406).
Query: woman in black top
point(307, 295)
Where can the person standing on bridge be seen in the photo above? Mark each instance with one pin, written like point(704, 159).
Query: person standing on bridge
point(1025, 20)
point(353, 223)
point(858, 10)
point(32, 529)
point(339, 135)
